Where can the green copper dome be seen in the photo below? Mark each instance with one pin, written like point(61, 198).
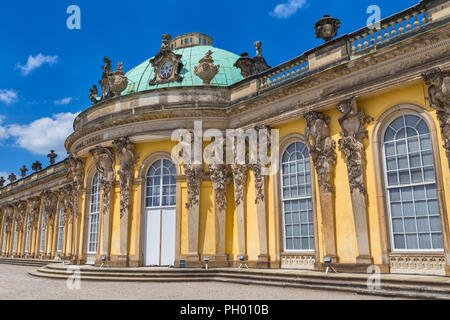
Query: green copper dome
point(140, 76)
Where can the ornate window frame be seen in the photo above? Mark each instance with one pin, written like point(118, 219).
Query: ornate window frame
point(377, 149)
point(298, 258)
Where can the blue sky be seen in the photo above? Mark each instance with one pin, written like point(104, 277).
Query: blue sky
point(47, 69)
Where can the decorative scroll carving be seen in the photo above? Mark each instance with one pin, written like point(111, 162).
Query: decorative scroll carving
point(34, 207)
point(166, 64)
point(194, 174)
point(220, 179)
point(8, 218)
point(353, 133)
point(21, 212)
point(75, 171)
point(298, 262)
point(257, 168)
point(418, 264)
point(323, 149)
point(439, 95)
point(125, 153)
point(104, 162)
point(207, 70)
point(239, 178)
point(67, 201)
point(50, 202)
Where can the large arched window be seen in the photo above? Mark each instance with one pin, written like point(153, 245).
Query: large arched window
point(15, 237)
point(27, 235)
point(161, 185)
point(410, 181)
point(43, 232)
point(298, 223)
point(59, 244)
point(94, 213)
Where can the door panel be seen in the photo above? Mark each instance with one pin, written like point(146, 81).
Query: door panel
point(152, 237)
point(168, 237)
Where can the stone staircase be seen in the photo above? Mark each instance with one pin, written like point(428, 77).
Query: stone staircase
point(27, 262)
point(393, 286)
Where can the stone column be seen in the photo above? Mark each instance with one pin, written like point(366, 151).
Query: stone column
point(323, 153)
point(21, 212)
point(260, 201)
point(353, 133)
point(50, 203)
point(7, 220)
point(439, 99)
point(194, 175)
point(125, 153)
point(105, 162)
point(220, 179)
point(75, 173)
point(35, 207)
point(239, 179)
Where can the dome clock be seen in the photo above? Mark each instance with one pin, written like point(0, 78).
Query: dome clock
point(166, 64)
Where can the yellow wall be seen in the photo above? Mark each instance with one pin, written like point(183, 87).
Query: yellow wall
point(373, 106)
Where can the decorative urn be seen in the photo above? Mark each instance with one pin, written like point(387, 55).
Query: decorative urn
point(327, 28)
point(118, 81)
point(206, 70)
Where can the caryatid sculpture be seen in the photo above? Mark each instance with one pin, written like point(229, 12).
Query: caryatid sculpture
point(125, 153)
point(323, 149)
point(50, 202)
point(439, 97)
point(75, 171)
point(352, 122)
point(104, 163)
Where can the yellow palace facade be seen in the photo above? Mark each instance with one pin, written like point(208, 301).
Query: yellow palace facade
point(360, 128)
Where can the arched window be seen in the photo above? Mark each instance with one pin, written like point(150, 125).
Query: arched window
point(410, 181)
point(27, 235)
point(15, 237)
point(43, 232)
point(59, 245)
point(298, 223)
point(94, 213)
point(4, 236)
point(161, 185)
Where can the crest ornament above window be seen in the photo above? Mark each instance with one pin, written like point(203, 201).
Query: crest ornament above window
point(166, 64)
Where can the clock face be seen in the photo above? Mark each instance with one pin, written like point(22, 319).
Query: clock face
point(166, 70)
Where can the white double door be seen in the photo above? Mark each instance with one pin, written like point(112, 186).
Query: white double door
point(159, 237)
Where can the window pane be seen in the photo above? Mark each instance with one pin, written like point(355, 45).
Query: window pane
point(413, 209)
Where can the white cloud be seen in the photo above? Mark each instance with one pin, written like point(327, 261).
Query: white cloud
point(285, 10)
point(36, 62)
point(4, 175)
point(45, 134)
point(8, 96)
point(63, 102)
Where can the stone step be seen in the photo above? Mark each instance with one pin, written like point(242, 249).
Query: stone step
point(358, 285)
point(383, 292)
point(26, 262)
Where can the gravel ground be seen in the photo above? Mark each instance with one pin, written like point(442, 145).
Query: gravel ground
point(15, 284)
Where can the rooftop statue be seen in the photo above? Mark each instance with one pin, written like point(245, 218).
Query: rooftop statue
point(252, 66)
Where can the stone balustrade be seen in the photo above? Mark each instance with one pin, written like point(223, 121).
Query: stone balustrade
point(287, 71)
point(390, 28)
